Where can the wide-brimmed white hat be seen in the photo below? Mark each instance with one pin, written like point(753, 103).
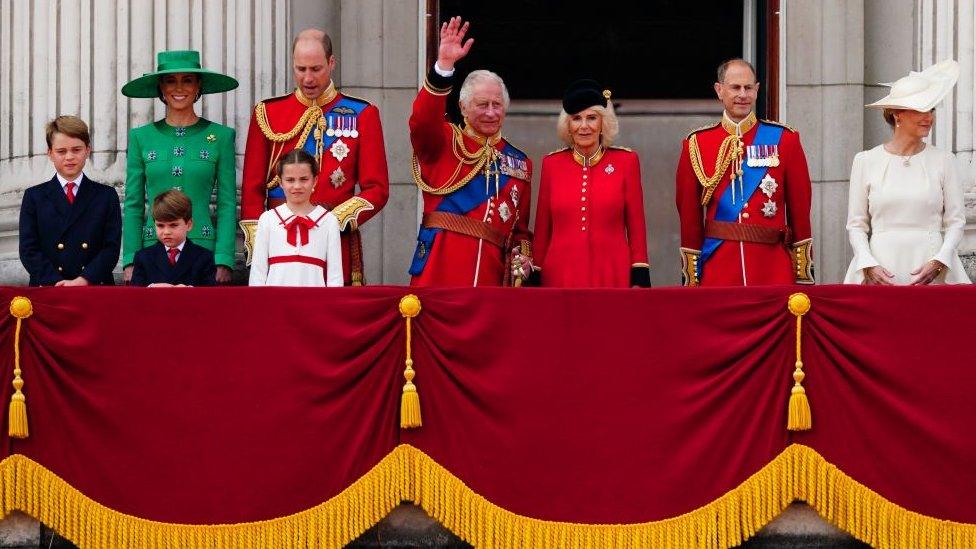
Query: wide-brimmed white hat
point(920, 91)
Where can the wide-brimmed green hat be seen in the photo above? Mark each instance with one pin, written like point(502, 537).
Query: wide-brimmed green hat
point(169, 62)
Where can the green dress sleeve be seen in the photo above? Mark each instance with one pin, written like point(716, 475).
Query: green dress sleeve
point(225, 246)
point(134, 208)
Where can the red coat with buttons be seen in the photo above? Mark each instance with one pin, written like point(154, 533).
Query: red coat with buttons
point(456, 259)
point(589, 225)
point(737, 263)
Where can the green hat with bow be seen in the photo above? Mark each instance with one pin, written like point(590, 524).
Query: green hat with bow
point(171, 62)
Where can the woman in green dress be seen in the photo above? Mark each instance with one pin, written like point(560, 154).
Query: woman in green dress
point(182, 151)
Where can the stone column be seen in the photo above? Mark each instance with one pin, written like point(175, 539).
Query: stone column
point(945, 29)
point(825, 102)
point(73, 58)
point(379, 59)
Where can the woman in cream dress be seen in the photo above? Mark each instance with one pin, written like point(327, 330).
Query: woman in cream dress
point(905, 212)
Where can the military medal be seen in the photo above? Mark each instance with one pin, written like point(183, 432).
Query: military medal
point(515, 196)
point(337, 178)
point(345, 127)
point(769, 208)
point(504, 211)
point(329, 132)
point(774, 157)
point(752, 156)
point(768, 185)
point(339, 150)
point(354, 133)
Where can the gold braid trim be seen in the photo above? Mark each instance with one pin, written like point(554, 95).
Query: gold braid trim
point(476, 159)
point(797, 473)
point(261, 115)
point(726, 153)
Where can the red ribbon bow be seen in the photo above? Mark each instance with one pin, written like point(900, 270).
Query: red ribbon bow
point(298, 230)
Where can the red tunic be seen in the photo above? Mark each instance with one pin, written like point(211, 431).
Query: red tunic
point(363, 164)
point(589, 224)
point(456, 259)
point(740, 263)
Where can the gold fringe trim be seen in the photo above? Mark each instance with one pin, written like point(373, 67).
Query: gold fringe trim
point(408, 474)
point(799, 417)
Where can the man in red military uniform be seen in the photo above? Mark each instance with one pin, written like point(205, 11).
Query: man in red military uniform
point(743, 195)
point(475, 184)
point(342, 132)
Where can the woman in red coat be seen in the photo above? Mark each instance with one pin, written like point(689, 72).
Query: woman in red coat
point(589, 226)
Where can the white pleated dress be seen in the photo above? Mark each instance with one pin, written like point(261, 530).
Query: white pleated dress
point(900, 217)
point(276, 262)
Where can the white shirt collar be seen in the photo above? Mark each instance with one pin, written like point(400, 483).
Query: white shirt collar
point(64, 182)
point(180, 247)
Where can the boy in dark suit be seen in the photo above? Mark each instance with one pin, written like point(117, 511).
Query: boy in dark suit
point(71, 226)
point(174, 260)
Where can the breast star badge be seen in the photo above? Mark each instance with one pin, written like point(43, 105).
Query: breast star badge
point(769, 208)
point(337, 178)
point(339, 150)
point(504, 211)
point(609, 169)
point(768, 185)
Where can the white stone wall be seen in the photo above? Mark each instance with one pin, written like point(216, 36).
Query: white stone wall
point(72, 57)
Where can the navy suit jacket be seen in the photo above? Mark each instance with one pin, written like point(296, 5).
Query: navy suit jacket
point(61, 241)
point(194, 266)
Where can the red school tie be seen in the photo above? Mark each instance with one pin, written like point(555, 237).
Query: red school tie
point(173, 252)
point(69, 191)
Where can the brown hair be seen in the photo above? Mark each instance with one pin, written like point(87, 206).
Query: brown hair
point(724, 67)
point(315, 34)
point(298, 156)
point(69, 125)
point(172, 205)
point(889, 116)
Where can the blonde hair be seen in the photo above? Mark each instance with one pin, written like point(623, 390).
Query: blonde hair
point(611, 127)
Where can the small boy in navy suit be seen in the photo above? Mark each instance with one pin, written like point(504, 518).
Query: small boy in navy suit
point(70, 226)
point(174, 260)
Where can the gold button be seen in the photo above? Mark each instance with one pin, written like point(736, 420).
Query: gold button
point(84, 245)
point(584, 219)
point(584, 228)
point(745, 215)
point(583, 199)
point(583, 209)
point(60, 246)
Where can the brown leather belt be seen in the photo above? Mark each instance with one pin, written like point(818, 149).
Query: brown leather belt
point(725, 230)
point(464, 225)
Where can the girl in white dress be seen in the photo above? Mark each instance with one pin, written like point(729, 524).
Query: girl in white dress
point(905, 210)
point(297, 243)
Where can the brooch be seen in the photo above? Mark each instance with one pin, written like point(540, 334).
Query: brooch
point(204, 154)
point(151, 155)
point(178, 151)
point(211, 138)
point(177, 171)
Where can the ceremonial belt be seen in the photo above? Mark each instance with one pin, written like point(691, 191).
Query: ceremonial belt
point(724, 230)
point(464, 225)
point(296, 259)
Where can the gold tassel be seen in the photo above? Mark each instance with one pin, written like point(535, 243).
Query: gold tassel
point(799, 417)
point(20, 307)
point(410, 399)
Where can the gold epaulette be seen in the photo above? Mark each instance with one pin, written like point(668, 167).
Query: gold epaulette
point(703, 128)
point(618, 147)
point(557, 151)
point(780, 124)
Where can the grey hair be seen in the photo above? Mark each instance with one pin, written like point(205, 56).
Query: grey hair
point(478, 76)
point(611, 127)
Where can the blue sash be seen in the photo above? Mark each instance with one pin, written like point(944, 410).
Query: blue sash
point(460, 202)
point(727, 210)
point(343, 105)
